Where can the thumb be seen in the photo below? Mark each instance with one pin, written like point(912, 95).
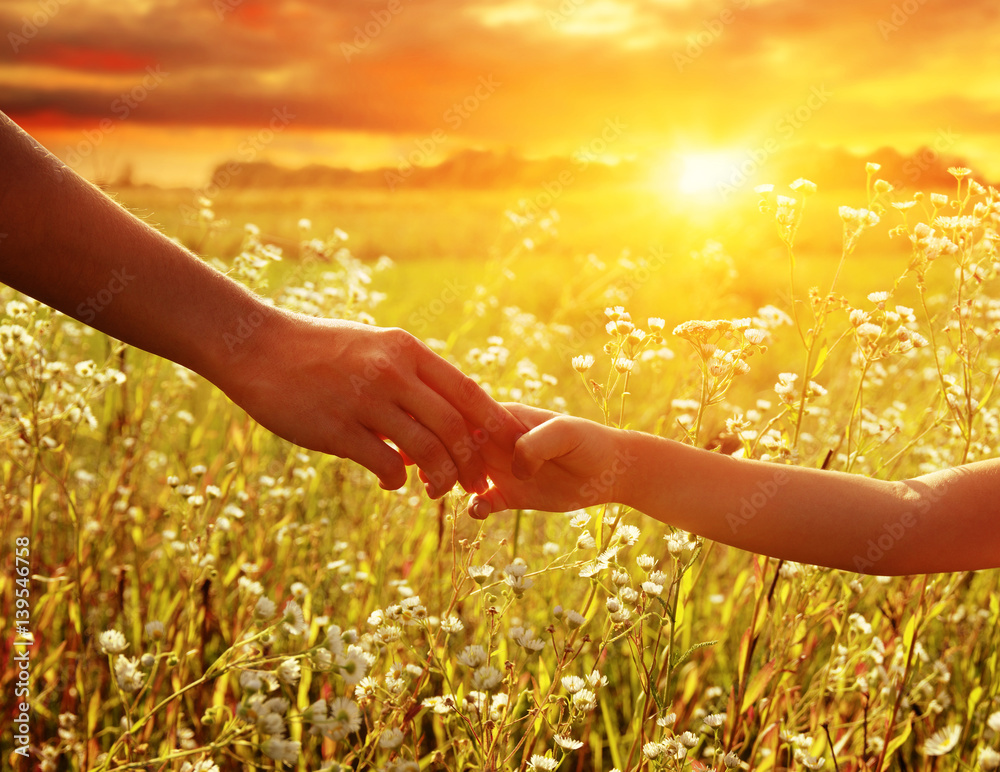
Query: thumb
point(546, 442)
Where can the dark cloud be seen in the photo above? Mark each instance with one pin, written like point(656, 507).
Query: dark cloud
point(721, 70)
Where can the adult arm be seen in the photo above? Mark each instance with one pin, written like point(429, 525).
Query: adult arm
point(328, 385)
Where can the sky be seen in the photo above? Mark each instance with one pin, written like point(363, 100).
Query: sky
point(178, 86)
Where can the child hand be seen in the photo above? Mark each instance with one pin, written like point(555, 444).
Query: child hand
point(561, 463)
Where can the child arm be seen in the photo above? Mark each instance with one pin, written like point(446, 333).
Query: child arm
point(944, 521)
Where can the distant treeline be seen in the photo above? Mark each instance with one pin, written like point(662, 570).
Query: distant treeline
point(831, 168)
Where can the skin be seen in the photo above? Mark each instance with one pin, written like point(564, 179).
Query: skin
point(328, 385)
point(943, 521)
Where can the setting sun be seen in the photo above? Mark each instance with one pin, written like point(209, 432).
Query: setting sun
point(702, 172)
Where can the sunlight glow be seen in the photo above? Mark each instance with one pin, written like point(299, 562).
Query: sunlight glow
point(702, 172)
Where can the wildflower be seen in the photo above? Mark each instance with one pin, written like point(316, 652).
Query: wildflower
point(646, 562)
point(651, 588)
point(652, 750)
point(869, 330)
point(871, 167)
point(809, 762)
point(290, 671)
point(281, 749)
point(204, 765)
point(498, 705)
point(294, 620)
point(344, 719)
point(688, 739)
point(525, 637)
point(567, 742)
point(391, 739)
point(666, 719)
point(764, 189)
point(452, 625)
point(993, 722)
point(270, 723)
point(629, 534)
point(958, 172)
point(335, 640)
point(366, 688)
point(573, 684)
point(575, 619)
point(354, 666)
point(655, 324)
point(803, 186)
point(85, 369)
point(940, 743)
point(486, 678)
point(939, 200)
point(989, 759)
point(715, 720)
point(731, 760)
point(472, 656)
point(624, 365)
point(440, 705)
point(127, 674)
point(585, 700)
point(112, 642)
point(542, 762)
point(515, 578)
point(596, 680)
point(583, 363)
point(878, 298)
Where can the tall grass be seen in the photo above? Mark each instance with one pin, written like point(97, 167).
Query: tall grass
point(204, 594)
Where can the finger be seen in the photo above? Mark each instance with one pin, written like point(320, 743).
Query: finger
point(546, 442)
point(528, 415)
point(446, 423)
point(371, 452)
point(482, 505)
point(422, 446)
point(468, 397)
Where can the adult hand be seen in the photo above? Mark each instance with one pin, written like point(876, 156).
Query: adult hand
point(343, 388)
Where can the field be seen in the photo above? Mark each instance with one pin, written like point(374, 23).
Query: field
point(277, 609)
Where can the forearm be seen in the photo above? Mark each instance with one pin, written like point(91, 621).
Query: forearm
point(73, 248)
point(945, 521)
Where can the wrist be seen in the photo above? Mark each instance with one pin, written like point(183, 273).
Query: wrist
point(633, 451)
point(240, 353)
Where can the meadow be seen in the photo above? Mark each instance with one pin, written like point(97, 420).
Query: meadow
point(204, 595)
